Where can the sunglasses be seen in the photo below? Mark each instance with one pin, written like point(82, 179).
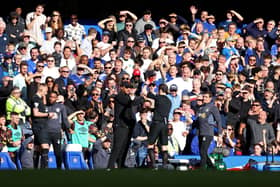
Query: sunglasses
point(256, 105)
point(229, 129)
point(125, 78)
point(95, 94)
point(107, 67)
point(65, 71)
point(128, 25)
point(50, 60)
point(40, 66)
point(130, 41)
point(170, 128)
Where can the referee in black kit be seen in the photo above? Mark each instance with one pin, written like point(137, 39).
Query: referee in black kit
point(159, 129)
point(40, 116)
point(208, 117)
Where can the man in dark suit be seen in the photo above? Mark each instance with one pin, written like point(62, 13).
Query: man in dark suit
point(123, 126)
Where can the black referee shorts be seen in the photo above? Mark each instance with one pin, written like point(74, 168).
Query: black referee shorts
point(40, 134)
point(158, 130)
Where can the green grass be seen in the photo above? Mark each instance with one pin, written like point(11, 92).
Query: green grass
point(137, 177)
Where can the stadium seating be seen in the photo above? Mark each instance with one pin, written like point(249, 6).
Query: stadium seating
point(232, 161)
point(73, 158)
point(5, 162)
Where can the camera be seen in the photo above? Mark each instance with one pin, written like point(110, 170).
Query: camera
point(72, 90)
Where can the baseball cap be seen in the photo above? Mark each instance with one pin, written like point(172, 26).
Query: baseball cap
point(106, 33)
point(22, 45)
point(148, 26)
point(173, 87)
point(48, 29)
point(136, 72)
point(140, 39)
point(26, 33)
point(269, 90)
point(107, 140)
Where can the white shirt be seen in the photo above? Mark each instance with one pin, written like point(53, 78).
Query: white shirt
point(50, 72)
point(48, 46)
point(128, 66)
point(178, 128)
point(155, 43)
point(182, 84)
point(86, 47)
point(61, 41)
point(70, 63)
point(36, 30)
point(19, 81)
point(101, 45)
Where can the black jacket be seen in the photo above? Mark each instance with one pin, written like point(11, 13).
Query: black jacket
point(123, 110)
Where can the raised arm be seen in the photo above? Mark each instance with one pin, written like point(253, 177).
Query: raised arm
point(101, 23)
point(132, 15)
point(239, 17)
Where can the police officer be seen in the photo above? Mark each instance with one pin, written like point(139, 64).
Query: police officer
point(56, 125)
point(40, 115)
point(208, 117)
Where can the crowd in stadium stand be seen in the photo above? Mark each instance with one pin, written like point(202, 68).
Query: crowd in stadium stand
point(59, 85)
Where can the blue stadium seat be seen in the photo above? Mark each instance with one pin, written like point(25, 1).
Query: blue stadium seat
point(52, 161)
point(6, 163)
point(73, 158)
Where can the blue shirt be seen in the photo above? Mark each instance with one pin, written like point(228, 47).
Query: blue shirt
point(228, 52)
point(31, 66)
point(77, 79)
point(3, 44)
point(175, 103)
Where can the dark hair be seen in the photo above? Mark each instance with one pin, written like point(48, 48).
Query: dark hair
point(54, 92)
point(92, 114)
point(144, 110)
point(14, 114)
point(209, 93)
point(2, 116)
point(23, 63)
point(163, 87)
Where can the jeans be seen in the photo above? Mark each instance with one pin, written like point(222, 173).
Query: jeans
point(141, 156)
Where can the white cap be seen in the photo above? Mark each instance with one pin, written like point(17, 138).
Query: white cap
point(48, 29)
